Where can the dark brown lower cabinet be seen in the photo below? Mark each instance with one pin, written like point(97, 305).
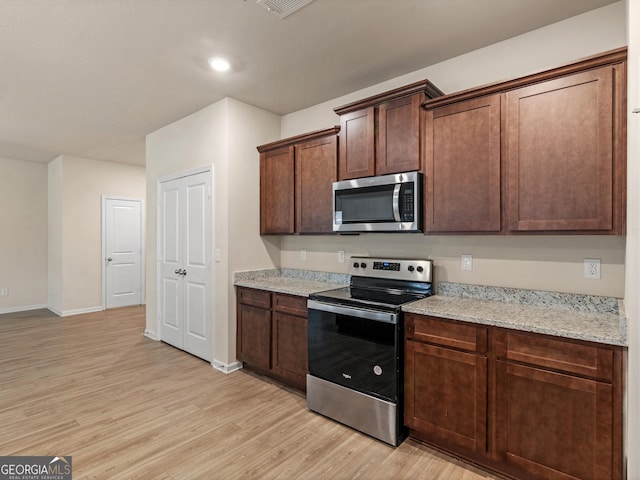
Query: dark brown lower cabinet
point(554, 425)
point(289, 340)
point(272, 335)
point(436, 376)
point(445, 387)
point(558, 406)
point(530, 406)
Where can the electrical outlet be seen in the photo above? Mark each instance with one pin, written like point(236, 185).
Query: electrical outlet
point(4, 292)
point(592, 268)
point(466, 262)
point(303, 254)
point(340, 256)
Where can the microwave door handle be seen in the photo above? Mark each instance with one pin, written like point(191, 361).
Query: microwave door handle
point(396, 202)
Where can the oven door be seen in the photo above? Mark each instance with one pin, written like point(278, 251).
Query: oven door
point(355, 347)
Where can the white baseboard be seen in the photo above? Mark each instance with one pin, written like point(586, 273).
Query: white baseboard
point(226, 368)
point(24, 308)
point(151, 335)
point(79, 311)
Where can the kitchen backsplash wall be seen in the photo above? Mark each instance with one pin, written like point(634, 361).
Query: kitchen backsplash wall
point(551, 263)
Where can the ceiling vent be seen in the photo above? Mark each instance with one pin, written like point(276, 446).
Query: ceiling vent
point(283, 8)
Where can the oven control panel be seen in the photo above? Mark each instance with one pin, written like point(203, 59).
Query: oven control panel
point(397, 268)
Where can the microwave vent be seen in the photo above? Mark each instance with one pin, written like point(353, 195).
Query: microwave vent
point(283, 8)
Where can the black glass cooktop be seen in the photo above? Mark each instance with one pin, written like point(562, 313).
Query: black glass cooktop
point(355, 296)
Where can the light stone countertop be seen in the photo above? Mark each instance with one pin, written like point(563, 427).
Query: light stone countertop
point(290, 281)
point(609, 328)
point(582, 317)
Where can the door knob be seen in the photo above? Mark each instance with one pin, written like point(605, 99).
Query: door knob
point(178, 271)
point(109, 259)
point(184, 272)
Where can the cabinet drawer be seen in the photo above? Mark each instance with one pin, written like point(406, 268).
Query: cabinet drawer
point(555, 353)
point(290, 304)
point(472, 338)
point(251, 296)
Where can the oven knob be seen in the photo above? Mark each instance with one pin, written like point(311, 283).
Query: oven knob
point(420, 269)
point(363, 265)
point(411, 268)
point(356, 264)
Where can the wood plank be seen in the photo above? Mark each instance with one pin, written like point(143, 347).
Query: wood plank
point(92, 386)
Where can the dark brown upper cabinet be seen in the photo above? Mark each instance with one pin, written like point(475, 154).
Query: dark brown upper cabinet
point(381, 134)
point(462, 166)
point(316, 170)
point(296, 177)
point(541, 154)
point(560, 154)
point(277, 191)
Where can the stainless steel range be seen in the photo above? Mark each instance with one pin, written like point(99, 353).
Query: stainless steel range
point(355, 345)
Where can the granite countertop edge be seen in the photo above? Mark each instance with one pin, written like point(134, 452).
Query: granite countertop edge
point(580, 317)
point(607, 328)
point(290, 281)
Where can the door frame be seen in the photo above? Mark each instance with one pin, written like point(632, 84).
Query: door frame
point(167, 178)
point(104, 245)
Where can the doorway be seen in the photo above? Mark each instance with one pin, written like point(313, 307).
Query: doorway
point(122, 252)
point(185, 272)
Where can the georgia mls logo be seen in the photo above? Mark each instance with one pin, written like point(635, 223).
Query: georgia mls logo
point(35, 468)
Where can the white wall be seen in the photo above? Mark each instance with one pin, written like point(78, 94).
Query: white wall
point(23, 242)
point(542, 262)
point(55, 243)
point(551, 46)
point(224, 134)
point(632, 290)
point(75, 205)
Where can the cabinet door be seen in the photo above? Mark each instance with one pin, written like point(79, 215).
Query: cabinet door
point(559, 153)
point(290, 348)
point(254, 336)
point(462, 167)
point(316, 169)
point(446, 395)
point(277, 191)
point(357, 144)
point(554, 425)
point(398, 135)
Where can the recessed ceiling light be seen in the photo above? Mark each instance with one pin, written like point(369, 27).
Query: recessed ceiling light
point(219, 64)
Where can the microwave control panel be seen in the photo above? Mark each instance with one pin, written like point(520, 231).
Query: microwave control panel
point(407, 201)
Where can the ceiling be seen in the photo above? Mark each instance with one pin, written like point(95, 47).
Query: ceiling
point(91, 78)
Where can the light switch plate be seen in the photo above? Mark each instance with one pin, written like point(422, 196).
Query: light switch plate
point(466, 262)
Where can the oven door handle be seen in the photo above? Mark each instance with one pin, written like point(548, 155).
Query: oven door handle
point(386, 317)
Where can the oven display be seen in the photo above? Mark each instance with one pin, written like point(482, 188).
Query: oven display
point(393, 266)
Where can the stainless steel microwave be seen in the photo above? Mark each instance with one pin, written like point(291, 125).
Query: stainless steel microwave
point(389, 203)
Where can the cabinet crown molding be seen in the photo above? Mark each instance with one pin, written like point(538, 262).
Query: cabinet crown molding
point(429, 89)
point(305, 137)
point(610, 57)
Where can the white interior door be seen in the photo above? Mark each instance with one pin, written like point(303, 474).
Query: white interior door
point(123, 252)
point(170, 255)
point(185, 303)
point(197, 286)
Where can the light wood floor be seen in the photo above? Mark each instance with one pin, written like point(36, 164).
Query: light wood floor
point(125, 407)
